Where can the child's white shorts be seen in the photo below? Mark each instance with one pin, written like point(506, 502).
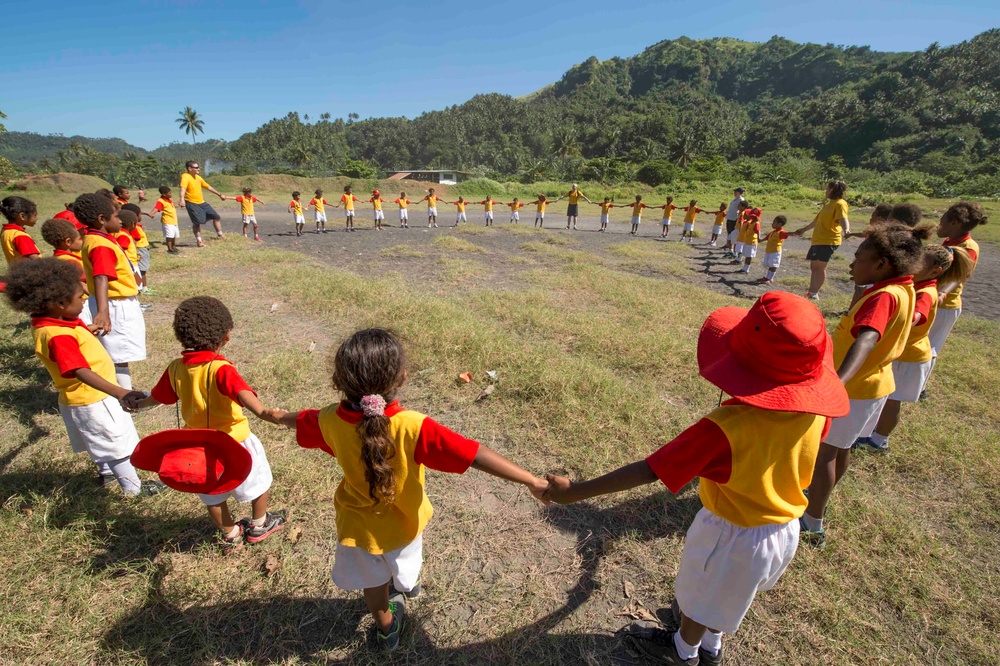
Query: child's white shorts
point(738, 248)
point(318, 216)
point(379, 215)
point(127, 340)
point(604, 219)
point(249, 219)
point(349, 214)
point(300, 219)
point(515, 216)
point(636, 219)
point(910, 379)
point(170, 231)
point(941, 328)
point(716, 230)
point(860, 422)
point(772, 259)
point(733, 236)
point(665, 222)
point(432, 212)
point(404, 214)
point(86, 316)
point(688, 227)
point(460, 218)
point(489, 215)
point(255, 485)
point(539, 216)
point(104, 430)
point(356, 569)
point(724, 566)
point(749, 250)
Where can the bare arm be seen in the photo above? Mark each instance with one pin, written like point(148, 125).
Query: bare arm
point(856, 355)
point(253, 403)
point(94, 380)
point(799, 232)
point(489, 461)
point(563, 491)
point(102, 320)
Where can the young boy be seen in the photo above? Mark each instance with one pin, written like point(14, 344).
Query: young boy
point(113, 305)
point(487, 205)
point(122, 195)
point(295, 208)
point(404, 213)
point(772, 253)
point(668, 214)
point(751, 235)
point(319, 210)
point(376, 201)
point(168, 219)
point(753, 454)
point(720, 220)
point(212, 394)
point(347, 200)
point(637, 214)
point(51, 292)
point(460, 210)
point(515, 208)
point(432, 211)
point(247, 201)
point(66, 242)
point(606, 207)
point(736, 235)
point(141, 247)
point(690, 211)
point(540, 204)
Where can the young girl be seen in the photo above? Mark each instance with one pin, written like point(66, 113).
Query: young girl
point(772, 253)
point(515, 207)
point(432, 211)
point(606, 206)
point(869, 338)
point(376, 202)
point(736, 236)
point(637, 213)
point(940, 265)
point(347, 200)
point(319, 211)
point(720, 219)
point(668, 213)
point(168, 219)
point(17, 244)
point(404, 213)
point(689, 214)
point(460, 210)
point(751, 234)
point(295, 208)
point(381, 504)
point(247, 201)
point(540, 204)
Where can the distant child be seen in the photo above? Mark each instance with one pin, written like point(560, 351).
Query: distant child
point(751, 236)
point(298, 217)
point(637, 214)
point(432, 211)
point(67, 214)
point(880, 214)
point(753, 455)
point(382, 448)
point(690, 211)
point(606, 207)
point(319, 210)
point(515, 207)
point(168, 219)
point(247, 201)
point(376, 202)
point(735, 236)
point(83, 373)
point(668, 214)
point(17, 244)
point(121, 227)
point(940, 265)
point(540, 203)
point(487, 205)
point(404, 213)
point(113, 305)
point(869, 338)
point(347, 200)
point(212, 394)
point(122, 195)
point(66, 242)
point(460, 210)
point(772, 253)
point(141, 247)
point(720, 220)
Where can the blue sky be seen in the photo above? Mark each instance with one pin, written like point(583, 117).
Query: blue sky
point(127, 68)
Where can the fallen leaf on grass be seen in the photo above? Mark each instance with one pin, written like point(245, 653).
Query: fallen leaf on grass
point(274, 307)
point(271, 565)
point(26, 510)
point(487, 392)
point(294, 533)
point(465, 376)
point(628, 589)
point(312, 347)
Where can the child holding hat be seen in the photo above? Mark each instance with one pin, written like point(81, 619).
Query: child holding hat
point(754, 455)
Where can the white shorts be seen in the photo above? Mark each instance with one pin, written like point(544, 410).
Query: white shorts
point(86, 316)
point(318, 216)
point(539, 216)
point(717, 229)
point(103, 430)
point(941, 328)
point(604, 219)
point(860, 422)
point(349, 213)
point(249, 219)
point(432, 212)
point(665, 222)
point(688, 226)
point(170, 231)
point(733, 236)
point(379, 215)
point(403, 214)
point(356, 569)
point(738, 248)
point(724, 566)
point(460, 218)
point(772, 259)
point(515, 216)
point(255, 485)
point(636, 219)
point(300, 219)
point(127, 340)
point(749, 250)
point(910, 379)
point(489, 215)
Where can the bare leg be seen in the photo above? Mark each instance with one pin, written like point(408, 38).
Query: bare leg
point(259, 506)
point(377, 600)
point(824, 479)
point(818, 276)
point(222, 518)
point(889, 419)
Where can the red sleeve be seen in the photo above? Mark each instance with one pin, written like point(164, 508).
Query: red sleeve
point(230, 384)
point(104, 260)
point(164, 392)
point(441, 449)
point(922, 309)
point(254, 199)
point(123, 241)
point(64, 350)
point(826, 429)
point(701, 450)
point(875, 313)
point(135, 234)
point(307, 432)
point(783, 234)
point(158, 207)
point(25, 246)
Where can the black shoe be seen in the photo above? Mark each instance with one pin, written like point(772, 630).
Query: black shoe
point(151, 487)
point(652, 640)
point(390, 639)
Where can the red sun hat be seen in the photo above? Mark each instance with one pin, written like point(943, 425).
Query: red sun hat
point(376, 193)
point(194, 460)
point(777, 355)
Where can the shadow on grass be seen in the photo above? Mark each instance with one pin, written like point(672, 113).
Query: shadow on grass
point(29, 399)
point(725, 273)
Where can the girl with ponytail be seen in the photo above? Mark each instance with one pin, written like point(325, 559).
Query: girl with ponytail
point(381, 503)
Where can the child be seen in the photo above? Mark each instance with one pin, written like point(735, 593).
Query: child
point(540, 204)
point(689, 214)
point(668, 213)
point(720, 219)
point(404, 213)
point(141, 247)
point(772, 253)
point(754, 454)
point(751, 235)
point(67, 214)
point(122, 195)
point(113, 305)
point(247, 201)
point(66, 243)
point(381, 504)
point(212, 394)
point(17, 244)
point(376, 202)
point(121, 227)
point(168, 219)
point(83, 373)
point(940, 265)
point(295, 208)
point(606, 206)
point(869, 338)
point(515, 207)
point(460, 210)
point(736, 235)
point(432, 211)
point(637, 214)
point(347, 200)
point(904, 213)
point(487, 205)
point(319, 210)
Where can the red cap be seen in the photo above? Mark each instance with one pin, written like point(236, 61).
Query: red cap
point(376, 193)
point(777, 355)
point(194, 460)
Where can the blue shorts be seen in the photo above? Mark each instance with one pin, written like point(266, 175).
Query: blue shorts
point(201, 213)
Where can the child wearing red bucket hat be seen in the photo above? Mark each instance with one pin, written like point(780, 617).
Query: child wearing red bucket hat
point(754, 455)
point(212, 395)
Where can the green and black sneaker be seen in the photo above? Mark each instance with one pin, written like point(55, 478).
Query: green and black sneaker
point(390, 639)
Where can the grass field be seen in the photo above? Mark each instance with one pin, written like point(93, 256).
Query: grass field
point(596, 369)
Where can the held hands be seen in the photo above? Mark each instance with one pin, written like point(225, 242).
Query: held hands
point(130, 401)
point(539, 489)
point(273, 415)
point(101, 325)
point(559, 489)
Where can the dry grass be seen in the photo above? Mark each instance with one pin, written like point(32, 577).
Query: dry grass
point(453, 244)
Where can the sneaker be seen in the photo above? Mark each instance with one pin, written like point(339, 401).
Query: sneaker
point(298, 233)
point(923, 396)
point(651, 639)
point(705, 658)
point(273, 522)
point(150, 487)
point(173, 251)
point(317, 231)
point(233, 544)
point(106, 480)
point(811, 296)
point(868, 445)
point(390, 639)
point(245, 236)
point(816, 539)
point(324, 230)
point(149, 290)
point(412, 594)
point(201, 244)
point(256, 237)
point(220, 235)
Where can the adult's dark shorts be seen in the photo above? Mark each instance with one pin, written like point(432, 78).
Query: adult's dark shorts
point(572, 210)
point(730, 226)
point(821, 252)
point(201, 213)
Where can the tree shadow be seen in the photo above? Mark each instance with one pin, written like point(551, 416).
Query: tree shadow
point(30, 396)
point(708, 264)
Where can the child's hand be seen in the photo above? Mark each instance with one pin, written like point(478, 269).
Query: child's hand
point(130, 401)
point(538, 489)
point(101, 325)
point(273, 415)
point(559, 490)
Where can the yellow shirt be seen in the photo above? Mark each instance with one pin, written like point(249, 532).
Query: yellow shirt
point(689, 214)
point(192, 188)
point(574, 196)
point(460, 206)
point(348, 201)
point(775, 240)
point(296, 206)
point(720, 218)
point(605, 207)
point(828, 230)
point(432, 200)
point(488, 206)
point(540, 206)
point(918, 345)
point(202, 404)
point(246, 204)
point(77, 260)
point(668, 211)
point(130, 249)
point(750, 233)
point(376, 203)
point(319, 204)
point(953, 299)
point(8, 239)
point(72, 392)
point(516, 206)
point(402, 203)
point(637, 208)
point(123, 286)
point(168, 214)
point(143, 241)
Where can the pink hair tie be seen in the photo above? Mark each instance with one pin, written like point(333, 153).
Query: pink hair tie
point(373, 405)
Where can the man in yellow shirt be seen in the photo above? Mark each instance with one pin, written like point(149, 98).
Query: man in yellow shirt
point(194, 201)
point(573, 209)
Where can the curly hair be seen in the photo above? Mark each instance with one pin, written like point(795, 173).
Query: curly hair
point(881, 212)
point(969, 214)
point(906, 213)
point(128, 219)
point(134, 208)
point(89, 207)
point(57, 230)
point(164, 190)
point(202, 323)
point(13, 206)
point(37, 286)
point(898, 244)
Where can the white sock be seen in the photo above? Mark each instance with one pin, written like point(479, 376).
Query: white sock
point(812, 524)
point(878, 439)
point(259, 522)
point(123, 377)
point(126, 476)
point(711, 642)
point(685, 651)
point(770, 273)
point(234, 532)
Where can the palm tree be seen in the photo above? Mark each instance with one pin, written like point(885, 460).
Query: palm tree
point(191, 123)
point(564, 143)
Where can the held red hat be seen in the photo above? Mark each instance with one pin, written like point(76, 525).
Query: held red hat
point(777, 355)
point(194, 460)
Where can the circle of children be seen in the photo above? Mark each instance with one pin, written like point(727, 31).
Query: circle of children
point(768, 458)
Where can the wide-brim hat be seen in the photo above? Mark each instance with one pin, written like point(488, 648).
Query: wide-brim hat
point(777, 355)
point(194, 460)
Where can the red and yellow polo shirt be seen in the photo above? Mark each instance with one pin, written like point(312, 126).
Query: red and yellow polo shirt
point(348, 201)
point(689, 214)
point(376, 203)
point(518, 205)
point(139, 236)
point(124, 239)
point(432, 200)
point(487, 205)
point(73, 257)
point(319, 204)
point(65, 346)
point(246, 204)
point(720, 218)
point(638, 206)
point(103, 256)
point(918, 346)
point(403, 203)
point(668, 210)
point(953, 299)
point(17, 244)
point(169, 211)
point(775, 240)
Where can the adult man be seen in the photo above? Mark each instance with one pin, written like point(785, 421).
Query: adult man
point(194, 201)
point(732, 213)
point(573, 209)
